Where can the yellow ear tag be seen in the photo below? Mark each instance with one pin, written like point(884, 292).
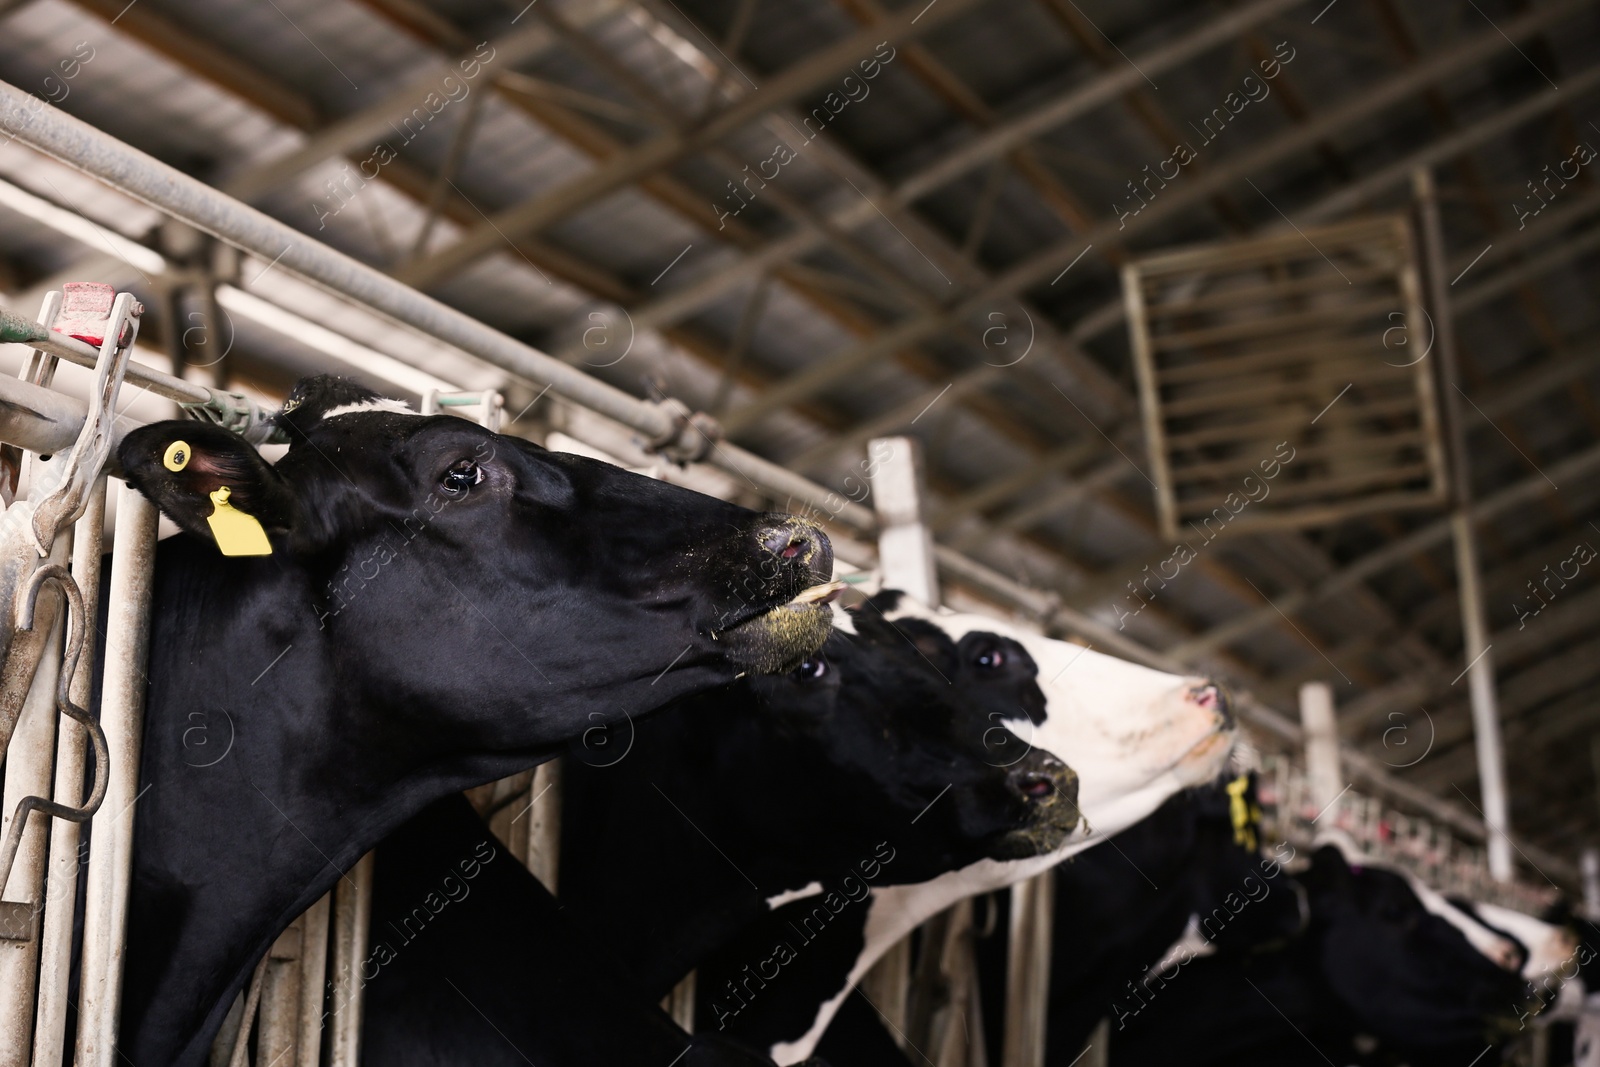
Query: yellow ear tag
point(177, 457)
point(237, 534)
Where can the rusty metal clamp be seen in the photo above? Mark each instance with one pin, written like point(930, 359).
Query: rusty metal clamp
point(678, 444)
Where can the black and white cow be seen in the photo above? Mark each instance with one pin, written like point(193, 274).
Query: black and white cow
point(1193, 864)
point(1386, 972)
point(1135, 736)
point(441, 606)
point(868, 764)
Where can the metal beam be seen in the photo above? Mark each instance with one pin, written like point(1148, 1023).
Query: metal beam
point(376, 122)
point(1077, 101)
point(1500, 284)
point(97, 154)
point(662, 150)
point(1042, 265)
point(1434, 533)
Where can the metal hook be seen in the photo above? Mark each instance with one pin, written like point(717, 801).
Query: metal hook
point(77, 632)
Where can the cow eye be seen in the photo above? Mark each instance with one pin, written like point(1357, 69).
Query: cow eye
point(992, 659)
point(461, 477)
point(811, 669)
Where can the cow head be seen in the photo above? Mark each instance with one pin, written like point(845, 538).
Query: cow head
point(1136, 735)
point(897, 712)
point(1417, 974)
point(448, 567)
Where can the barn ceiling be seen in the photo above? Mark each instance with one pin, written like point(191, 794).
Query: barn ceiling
point(828, 220)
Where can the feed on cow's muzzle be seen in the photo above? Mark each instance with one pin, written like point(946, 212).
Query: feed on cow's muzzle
point(1049, 790)
point(780, 638)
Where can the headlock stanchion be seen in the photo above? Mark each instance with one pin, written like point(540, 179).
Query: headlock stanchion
point(37, 681)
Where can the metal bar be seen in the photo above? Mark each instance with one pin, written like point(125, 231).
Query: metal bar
point(375, 122)
point(80, 145)
point(16, 329)
point(27, 774)
point(1474, 619)
point(905, 547)
point(661, 151)
point(352, 913)
point(1322, 743)
point(1028, 971)
point(313, 975)
point(1077, 101)
point(122, 717)
point(61, 881)
point(1420, 540)
point(544, 824)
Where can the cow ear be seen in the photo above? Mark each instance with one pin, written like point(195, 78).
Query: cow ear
point(209, 481)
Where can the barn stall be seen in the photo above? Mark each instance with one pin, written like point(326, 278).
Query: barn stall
point(848, 260)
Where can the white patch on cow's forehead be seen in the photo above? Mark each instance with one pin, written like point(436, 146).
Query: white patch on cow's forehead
point(788, 896)
point(382, 403)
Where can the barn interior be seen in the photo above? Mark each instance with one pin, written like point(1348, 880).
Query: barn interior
point(1243, 339)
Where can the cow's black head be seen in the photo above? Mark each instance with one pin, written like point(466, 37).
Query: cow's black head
point(449, 567)
point(881, 736)
point(1408, 975)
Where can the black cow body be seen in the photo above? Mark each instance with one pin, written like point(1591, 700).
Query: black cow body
point(525, 987)
point(1376, 978)
point(442, 606)
point(864, 767)
point(1119, 909)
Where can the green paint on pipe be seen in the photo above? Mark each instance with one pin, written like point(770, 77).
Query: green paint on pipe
point(14, 329)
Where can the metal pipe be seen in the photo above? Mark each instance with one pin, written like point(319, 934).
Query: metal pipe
point(18, 330)
point(77, 144)
point(1028, 971)
point(27, 774)
point(313, 978)
point(122, 717)
point(1474, 619)
point(1322, 743)
point(61, 882)
point(352, 913)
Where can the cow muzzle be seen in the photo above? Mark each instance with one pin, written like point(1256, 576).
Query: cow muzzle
point(791, 553)
point(1048, 791)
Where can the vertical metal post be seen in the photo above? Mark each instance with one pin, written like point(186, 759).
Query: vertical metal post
point(27, 773)
point(905, 562)
point(544, 824)
point(122, 718)
point(61, 880)
point(313, 975)
point(1322, 744)
point(1028, 971)
point(1474, 623)
point(352, 915)
point(905, 546)
point(279, 1039)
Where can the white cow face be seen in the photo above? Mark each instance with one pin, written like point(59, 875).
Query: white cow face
point(1135, 735)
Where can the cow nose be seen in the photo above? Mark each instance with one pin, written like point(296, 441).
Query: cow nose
point(1211, 695)
point(800, 542)
point(1039, 776)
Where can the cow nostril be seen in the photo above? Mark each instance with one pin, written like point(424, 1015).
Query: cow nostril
point(1035, 785)
point(1210, 695)
point(784, 542)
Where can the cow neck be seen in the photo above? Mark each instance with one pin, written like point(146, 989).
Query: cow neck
point(264, 775)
